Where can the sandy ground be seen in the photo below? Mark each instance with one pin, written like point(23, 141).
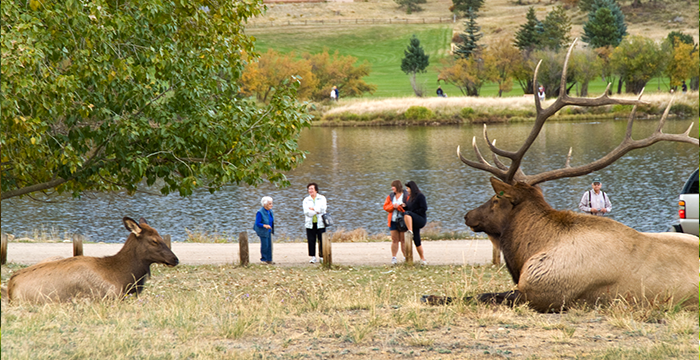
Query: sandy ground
point(455, 252)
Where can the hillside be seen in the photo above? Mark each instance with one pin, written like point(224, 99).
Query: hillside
point(653, 19)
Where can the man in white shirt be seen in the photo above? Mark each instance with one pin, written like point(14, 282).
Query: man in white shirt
point(595, 201)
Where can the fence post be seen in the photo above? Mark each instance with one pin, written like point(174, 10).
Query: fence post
point(408, 248)
point(3, 248)
point(168, 241)
point(327, 253)
point(77, 245)
point(243, 248)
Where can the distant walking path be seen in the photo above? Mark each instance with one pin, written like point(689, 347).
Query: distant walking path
point(455, 252)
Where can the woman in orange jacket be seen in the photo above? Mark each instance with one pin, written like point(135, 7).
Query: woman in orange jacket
point(394, 204)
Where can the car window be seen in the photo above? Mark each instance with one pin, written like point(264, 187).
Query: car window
point(691, 186)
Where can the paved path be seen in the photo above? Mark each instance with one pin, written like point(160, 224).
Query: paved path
point(455, 252)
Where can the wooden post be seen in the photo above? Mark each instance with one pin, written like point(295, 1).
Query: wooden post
point(3, 248)
point(327, 253)
point(243, 248)
point(168, 241)
point(408, 248)
point(77, 245)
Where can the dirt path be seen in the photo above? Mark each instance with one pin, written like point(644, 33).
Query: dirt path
point(456, 252)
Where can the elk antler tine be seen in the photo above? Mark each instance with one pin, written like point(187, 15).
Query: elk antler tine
point(607, 88)
point(478, 153)
point(687, 132)
point(538, 105)
point(662, 121)
point(568, 158)
point(562, 87)
point(641, 93)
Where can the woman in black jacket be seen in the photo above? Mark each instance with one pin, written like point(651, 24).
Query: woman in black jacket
point(415, 217)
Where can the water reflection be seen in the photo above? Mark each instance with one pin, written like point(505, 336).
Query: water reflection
point(354, 167)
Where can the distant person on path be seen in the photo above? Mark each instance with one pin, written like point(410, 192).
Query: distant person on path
point(440, 93)
point(415, 217)
point(595, 201)
point(314, 206)
point(394, 204)
point(265, 227)
point(333, 95)
point(684, 87)
point(540, 93)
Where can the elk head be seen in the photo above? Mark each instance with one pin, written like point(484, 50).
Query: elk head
point(149, 246)
point(512, 174)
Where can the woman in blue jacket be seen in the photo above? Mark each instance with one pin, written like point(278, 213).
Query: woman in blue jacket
point(265, 227)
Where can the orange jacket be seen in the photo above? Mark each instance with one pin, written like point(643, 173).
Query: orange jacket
point(389, 207)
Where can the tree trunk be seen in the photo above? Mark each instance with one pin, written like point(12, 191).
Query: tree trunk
point(413, 84)
point(584, 89)
point(635, 87)
point(619, 86)
point(694, 84)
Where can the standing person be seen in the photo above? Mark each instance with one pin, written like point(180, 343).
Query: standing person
point(540, 93)
point(314, 206)
point(595, 201)
point(684, 87)
point(333, 94)
point(415, 217)
point(394, 204)
point(265, 227)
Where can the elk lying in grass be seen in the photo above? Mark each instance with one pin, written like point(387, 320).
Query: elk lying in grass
point(558, 258)
point(85, 276)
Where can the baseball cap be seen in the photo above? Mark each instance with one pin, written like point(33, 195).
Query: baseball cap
point(596, 180)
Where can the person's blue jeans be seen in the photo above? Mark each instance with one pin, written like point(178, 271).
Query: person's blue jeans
point(266, 248)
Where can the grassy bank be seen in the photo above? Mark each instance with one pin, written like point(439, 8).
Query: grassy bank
point(353, 112)
point(263, 312)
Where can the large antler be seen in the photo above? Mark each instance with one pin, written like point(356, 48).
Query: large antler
point(512, 173)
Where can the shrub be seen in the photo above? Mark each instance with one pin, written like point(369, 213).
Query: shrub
point(467, 113)
point(418, 113)
point(683, 110)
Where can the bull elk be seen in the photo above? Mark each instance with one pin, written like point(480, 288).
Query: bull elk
point(557, 258)
point(92, 277)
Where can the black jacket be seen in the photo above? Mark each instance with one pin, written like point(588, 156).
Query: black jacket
point(417, 205)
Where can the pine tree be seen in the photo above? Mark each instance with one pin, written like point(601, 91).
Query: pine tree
point(463, 6)
point(529, 37)
point(606, 24)
point(556, 29)
point(415, 61)
point(470, 37)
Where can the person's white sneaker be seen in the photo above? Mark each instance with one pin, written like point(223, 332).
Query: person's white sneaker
point(394, 261)
point(423, 262)
point(313, 260)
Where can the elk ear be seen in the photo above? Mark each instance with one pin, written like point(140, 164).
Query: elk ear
point(143, 221)
point(132, 226)
point(500, 187)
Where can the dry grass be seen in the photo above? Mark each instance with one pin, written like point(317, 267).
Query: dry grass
point(451, 107)
point(498, 18)
point(264, 312)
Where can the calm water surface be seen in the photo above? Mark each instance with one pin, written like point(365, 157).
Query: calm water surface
point(355, 166)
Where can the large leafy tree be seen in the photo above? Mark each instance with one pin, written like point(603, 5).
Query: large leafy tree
point(100, 95)
point(606, 24)
point(415, 61)
point(272, 70)
point(638, 59)
point(341, 71)
point(683, 63)
point(586, 66)
point(502, 59)
point(469, 46)
point(468, 75)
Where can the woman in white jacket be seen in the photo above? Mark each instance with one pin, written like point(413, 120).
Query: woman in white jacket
point(314, 207)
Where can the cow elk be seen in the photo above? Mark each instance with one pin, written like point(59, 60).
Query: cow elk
point(558, 258)
point(92, 277)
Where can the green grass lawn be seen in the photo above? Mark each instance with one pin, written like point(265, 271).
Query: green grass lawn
point(383, 47)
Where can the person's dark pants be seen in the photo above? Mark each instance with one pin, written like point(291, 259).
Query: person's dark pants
point(312, 235)
point(418, 223)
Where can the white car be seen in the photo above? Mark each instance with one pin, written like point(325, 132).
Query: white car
point(688, 207)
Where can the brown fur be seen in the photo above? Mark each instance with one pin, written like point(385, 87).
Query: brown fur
point(557, 258)
point(85, 276)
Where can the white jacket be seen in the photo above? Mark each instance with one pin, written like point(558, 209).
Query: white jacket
point(309, 211)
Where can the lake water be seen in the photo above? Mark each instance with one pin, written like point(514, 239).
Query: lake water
point(354, 167)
